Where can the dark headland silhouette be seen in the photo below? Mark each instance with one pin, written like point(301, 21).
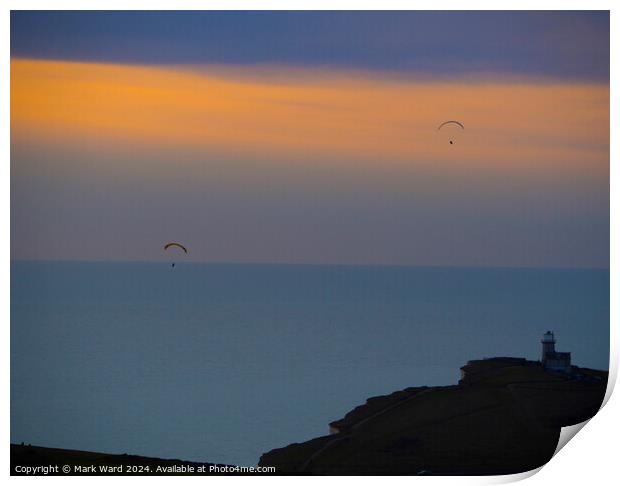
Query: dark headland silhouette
point(503, 417)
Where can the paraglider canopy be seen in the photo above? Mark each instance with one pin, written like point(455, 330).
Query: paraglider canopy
point(178, 245)
point(451, 121)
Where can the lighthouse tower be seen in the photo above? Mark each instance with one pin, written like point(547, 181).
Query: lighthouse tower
point(548, 346)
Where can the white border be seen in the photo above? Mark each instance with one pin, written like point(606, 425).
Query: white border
point(591, 458)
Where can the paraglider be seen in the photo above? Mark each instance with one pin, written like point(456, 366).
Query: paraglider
point(451, 123)
point(173, 244)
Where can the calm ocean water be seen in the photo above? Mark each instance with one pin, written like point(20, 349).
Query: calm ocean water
point(221, 363)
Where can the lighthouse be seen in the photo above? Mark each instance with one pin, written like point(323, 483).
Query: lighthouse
point(550, 358)
point(548, 345)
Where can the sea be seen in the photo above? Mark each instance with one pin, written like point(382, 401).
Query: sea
point(223, 362)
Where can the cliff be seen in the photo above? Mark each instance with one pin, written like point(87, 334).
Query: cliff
point(503, 417)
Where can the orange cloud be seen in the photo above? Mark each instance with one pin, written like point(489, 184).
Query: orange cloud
point(349, 115)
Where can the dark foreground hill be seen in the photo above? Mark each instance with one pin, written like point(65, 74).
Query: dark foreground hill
point(503, 417)
point(39, 461)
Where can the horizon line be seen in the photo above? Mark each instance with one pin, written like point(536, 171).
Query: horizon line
point(322, 264)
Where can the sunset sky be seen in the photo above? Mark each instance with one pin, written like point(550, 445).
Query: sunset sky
point(311, 137)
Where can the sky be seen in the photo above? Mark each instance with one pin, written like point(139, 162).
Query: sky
point(311, 137)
